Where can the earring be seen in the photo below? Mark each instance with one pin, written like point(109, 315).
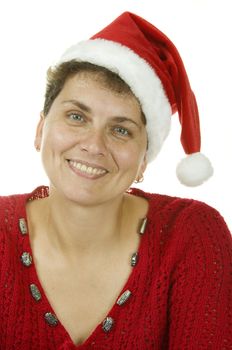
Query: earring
point(37, 147)
point(140, 179)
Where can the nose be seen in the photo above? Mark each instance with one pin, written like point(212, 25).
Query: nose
point(94, 143)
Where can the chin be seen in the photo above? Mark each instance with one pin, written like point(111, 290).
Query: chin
point(78, 195)
point(84, 194)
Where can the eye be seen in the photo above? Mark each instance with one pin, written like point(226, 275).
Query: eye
point(76, 117)
point(121, 131)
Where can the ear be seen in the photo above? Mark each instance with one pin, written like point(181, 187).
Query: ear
point(144, 164)
point(141, 170)
point(39, 132)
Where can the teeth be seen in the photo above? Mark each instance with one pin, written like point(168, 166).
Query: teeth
point(83, 168)
point(88, 170)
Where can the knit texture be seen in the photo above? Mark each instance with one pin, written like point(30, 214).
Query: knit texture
point(181, 286)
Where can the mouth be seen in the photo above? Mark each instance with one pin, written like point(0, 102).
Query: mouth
point(87, 170)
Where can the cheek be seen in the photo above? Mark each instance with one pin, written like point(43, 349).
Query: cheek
point(56, 138)
point(131, 156)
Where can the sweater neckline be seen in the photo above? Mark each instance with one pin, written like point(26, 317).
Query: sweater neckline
point(44, 304)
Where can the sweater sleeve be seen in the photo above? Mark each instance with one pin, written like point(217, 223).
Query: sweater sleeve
point(200, 309)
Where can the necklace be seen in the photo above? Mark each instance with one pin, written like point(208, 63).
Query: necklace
point(49, 317)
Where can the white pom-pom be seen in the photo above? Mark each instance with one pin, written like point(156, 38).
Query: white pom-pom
point(194, 169)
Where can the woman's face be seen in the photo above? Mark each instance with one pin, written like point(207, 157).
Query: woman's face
point(93, 141)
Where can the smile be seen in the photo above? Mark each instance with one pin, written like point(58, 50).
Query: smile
point(85, 169)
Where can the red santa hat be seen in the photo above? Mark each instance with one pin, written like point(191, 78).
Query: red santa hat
point(150, 64)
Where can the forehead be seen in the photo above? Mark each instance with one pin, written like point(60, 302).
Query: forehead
point(88, 83)
point(104, 80)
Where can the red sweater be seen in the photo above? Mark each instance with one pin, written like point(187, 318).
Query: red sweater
point(181, 286)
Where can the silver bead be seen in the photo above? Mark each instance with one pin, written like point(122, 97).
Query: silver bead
point(23, 226)
point(124, 297)
point(51, 319)
point(107, 324)
point(134, 259)
point(143, 226)
point(26, 259)
point(35, 292)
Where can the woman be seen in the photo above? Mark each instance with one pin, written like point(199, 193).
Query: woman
point(89, 263)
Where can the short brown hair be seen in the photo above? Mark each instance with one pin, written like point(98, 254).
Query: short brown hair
point(57, 76)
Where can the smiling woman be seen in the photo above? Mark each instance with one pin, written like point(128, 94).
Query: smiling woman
point(98, 134)
point(90, 262)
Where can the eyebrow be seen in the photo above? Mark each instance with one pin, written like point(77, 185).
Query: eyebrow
point(118, 119)
point(79, 105)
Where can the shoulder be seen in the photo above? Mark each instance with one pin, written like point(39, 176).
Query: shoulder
point(164, 207)
point(8, 210)
point(181, 224)
point(11, 206)
point(181, 209)
point(7, 204)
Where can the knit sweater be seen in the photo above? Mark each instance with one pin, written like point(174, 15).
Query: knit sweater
point(181, 284)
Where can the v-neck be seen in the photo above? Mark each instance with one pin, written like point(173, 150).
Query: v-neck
point(44, 304)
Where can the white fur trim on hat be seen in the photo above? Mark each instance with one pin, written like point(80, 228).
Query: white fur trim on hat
point(194, 169)
point(141, 78)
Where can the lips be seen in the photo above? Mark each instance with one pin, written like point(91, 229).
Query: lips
point(87, 169)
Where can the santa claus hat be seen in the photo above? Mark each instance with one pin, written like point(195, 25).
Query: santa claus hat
point(151, 65)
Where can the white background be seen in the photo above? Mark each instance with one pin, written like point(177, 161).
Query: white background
point(35, 33)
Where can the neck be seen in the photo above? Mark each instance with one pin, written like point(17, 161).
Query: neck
point(72, 227)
